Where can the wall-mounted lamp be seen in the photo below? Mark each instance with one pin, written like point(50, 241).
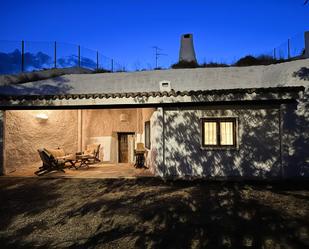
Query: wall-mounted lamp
point(41, 116)
point(124, 117)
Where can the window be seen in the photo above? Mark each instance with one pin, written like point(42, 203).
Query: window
point(219, 132)
point(147, 135)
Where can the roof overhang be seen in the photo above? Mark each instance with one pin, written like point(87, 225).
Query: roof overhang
point(150, 98)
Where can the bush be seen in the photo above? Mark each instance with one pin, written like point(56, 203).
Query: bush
point(101, 70)
point(256, 61)
point(247, 61)
point(213, 64)
point(185, 64)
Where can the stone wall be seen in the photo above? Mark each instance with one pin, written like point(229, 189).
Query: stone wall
point(25, 133)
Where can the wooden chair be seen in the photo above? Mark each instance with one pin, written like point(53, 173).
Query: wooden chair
point(49, 163)
point(92, 153)
point(60, 154)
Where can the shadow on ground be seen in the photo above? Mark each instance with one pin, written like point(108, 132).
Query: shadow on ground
point(150, 213)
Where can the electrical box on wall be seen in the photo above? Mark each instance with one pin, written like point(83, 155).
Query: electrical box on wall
point(165, 86)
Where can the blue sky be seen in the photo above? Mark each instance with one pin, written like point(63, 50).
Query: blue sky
point(126, 30)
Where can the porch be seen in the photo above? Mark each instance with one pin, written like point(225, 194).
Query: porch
point(98, 170)
point(116, 131)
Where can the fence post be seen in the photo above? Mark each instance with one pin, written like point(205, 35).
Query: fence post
point(22, 55)
point(307, 44)
point(55, 54)
point(112, 65)
point(78, 55)
point(97, 60)
point(289, 49)
point(275, 57)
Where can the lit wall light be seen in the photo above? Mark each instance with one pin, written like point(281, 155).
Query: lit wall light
point(41, 116)
point(124, 117)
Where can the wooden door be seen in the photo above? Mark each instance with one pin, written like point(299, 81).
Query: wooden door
point(123, 148)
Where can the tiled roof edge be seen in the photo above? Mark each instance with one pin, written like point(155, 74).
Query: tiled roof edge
point(155, 94)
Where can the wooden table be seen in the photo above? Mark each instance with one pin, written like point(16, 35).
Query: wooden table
point(83, 159)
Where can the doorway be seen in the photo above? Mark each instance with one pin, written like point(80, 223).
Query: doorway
point(125, 147)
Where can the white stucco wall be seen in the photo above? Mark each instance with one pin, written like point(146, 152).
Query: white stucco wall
point(295, 137)
point(257, 155)
point(155, 154)
point(25, 134)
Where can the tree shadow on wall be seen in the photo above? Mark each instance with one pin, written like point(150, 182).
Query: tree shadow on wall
point(296, 126)
point(296, 138)
point(257, 154)
point(302, 73)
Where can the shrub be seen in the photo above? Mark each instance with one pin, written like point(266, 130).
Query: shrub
point(101, 70)
point(213, 64)
point(185, 64)
point(255, 61)
point(247, 61)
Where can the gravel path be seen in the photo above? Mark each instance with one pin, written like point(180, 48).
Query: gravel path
point(150, 213)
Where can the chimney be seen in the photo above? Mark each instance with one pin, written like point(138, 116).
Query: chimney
point(187, 52)
point(306, 44)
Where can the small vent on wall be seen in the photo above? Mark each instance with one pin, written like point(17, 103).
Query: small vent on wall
point(165, 85)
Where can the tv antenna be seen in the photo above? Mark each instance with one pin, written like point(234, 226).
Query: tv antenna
point(158, 54)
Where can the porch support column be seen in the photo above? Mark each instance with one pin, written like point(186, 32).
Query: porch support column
point(158, 143)
point(2, 120)
point(139, 123)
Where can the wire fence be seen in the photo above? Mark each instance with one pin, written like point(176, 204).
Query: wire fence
point(28, 56)
point(292, 48)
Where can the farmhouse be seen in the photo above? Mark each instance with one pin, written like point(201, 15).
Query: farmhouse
point(235, 122)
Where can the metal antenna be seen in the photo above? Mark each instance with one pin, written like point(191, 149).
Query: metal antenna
point(157, 54)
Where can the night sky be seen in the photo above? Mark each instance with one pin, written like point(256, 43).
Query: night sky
point(126, 30)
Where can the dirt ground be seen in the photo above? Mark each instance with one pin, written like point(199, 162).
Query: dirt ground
point(150, 213)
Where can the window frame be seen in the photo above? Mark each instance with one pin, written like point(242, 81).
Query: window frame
point(147, 126)
point(218, 120)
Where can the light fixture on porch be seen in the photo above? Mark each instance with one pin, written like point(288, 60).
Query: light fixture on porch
point(124, 117)
point(42, 116)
